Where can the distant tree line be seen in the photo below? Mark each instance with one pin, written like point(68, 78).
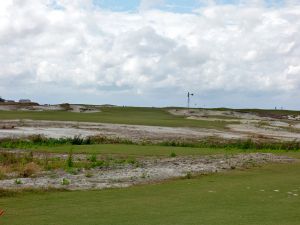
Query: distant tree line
point(2, 99)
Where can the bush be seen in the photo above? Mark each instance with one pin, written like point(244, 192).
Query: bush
point(65, 181)
point(66, 106)
point(93, 158)
point(30, 169)
point(173, 154)
point(73, 171)
point(77, 140)
point(188, 175)
point(88, 175)
point(18, 181)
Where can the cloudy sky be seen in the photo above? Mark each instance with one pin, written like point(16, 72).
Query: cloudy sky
point(232, 53)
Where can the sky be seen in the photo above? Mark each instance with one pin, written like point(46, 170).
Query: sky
point(229, 53)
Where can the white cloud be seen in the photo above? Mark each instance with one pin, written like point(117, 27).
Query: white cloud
point(218, 49)
point(148, 4)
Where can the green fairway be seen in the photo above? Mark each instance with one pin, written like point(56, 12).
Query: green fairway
point(122, 115)
point(261, 196)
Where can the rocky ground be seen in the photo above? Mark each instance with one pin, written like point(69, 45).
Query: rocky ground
point(240, 126)
point(263, 129)
point(57, 129)
point(249, 125)
point(146, 171)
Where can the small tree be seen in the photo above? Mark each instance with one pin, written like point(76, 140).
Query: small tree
point(2, 99)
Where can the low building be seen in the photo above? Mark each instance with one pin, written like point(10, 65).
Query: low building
point(24, 101)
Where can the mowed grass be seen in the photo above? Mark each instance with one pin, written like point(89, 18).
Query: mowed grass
point(121, 115)
point(149, 150)
point(260, 196)
point(132, 150)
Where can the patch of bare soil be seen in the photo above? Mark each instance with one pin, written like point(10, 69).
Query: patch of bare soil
point(297, 126)
point(249, 125)
point(61, 107)
point(50, 132)
point(58, 129)
point(266, 131)
point(46, 108)
point(149, 170)
point(279, 124)
point(219, 115)
point(84, 109)
point(8, 107)
point(33, 107)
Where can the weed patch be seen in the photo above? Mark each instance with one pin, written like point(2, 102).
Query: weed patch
point(65, 181)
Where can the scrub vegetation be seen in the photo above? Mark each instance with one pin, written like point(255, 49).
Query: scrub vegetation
point(38, 142)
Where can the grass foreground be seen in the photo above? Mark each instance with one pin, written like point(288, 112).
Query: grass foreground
point(264, 196)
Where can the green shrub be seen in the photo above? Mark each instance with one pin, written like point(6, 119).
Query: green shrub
point(188, 175)
point(18, 181)
point(73, 171)
point(88, 175)
point(173, 154)
point(93, 158)
point(77, 140)
point(131, 161)
point(65, 181)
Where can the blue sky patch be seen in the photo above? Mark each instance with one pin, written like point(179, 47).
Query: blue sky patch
point(180, 6)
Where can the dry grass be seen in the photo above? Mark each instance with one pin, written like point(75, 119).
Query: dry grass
point(7, 126)
point(3, 171)
point(30, 169)
point(22, 164)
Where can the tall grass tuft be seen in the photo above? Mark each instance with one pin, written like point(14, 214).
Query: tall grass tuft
point(70, 162)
